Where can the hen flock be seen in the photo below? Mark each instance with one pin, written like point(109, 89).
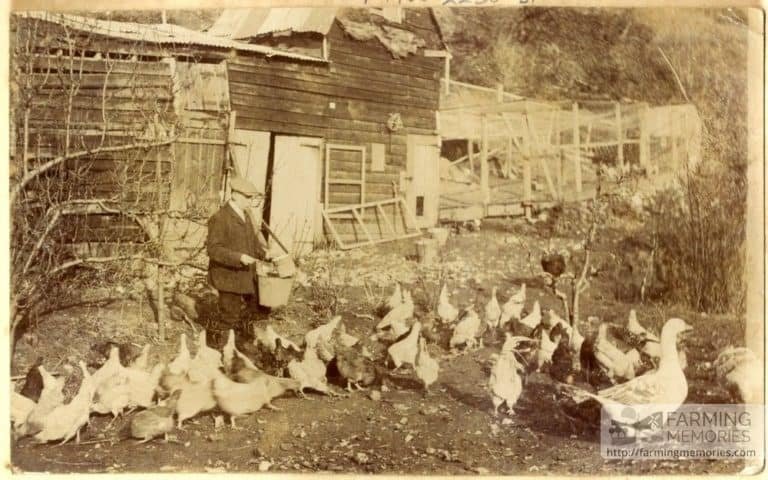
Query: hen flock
point(620, 366)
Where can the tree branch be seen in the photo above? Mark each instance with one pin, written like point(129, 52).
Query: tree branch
point(674, 72)
point(59, 160)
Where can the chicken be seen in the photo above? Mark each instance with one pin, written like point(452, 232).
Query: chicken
point(154, 421)
point(395, 299)
point(513, 308)
point(616, 363)
point(447, 312)
point(237, 399)
point(404, 351)
point(740, 370)
point(401, 313)
point(321, 339)
point(526, 325)
point(210, 355)
point(284, 355)
point(634, 327)
point(575, 340)
point(492, 311)
point(228, 352)
point(128, 352)
point(466, 330)
point(65, 421)
point(33, 383)
point(666, 386)
point(309, 372)
point(346, 339)
point(175, 374)
point(355, 368)
point(426, 367)
point(143, 385)
point(112, 393)
point(142, 361)
point(204, 367)
point(267, 337)
point(547, 346)
point(195, 398)
point(21, 407)
point(505, 383)
point(51, 397)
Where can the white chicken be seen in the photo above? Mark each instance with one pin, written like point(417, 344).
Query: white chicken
point(228, 352)
point(50, 398)
point(401, 313)
point(65, 421)
point(616, 363)
point(427, 368)
point(113, 393)
point(505, 383)
point(143, 385)
point(740, 369)
point(309, 372)
point(466, 330)
point(142, 361)
point(447, 312)
point(492, 311)
point(396, 298)
point(175, 374)
point(533, 319)
point(545, 350)
point(513, 308)
point(404, 352)
point(633, 325)
point(204, 367)
point(321, 339)
point(268, 337)
point(21, 407)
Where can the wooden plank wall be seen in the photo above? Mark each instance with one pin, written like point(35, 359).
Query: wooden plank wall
point(347, 101)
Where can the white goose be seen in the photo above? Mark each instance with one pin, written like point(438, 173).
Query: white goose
point(666, 386)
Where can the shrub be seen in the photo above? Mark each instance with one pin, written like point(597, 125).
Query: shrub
point(699, 231)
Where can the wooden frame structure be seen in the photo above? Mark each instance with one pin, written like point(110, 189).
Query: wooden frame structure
point(547, 152)
point(391, 232)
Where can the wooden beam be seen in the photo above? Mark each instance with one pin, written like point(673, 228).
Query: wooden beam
point(484, 174)
point(577, 146)
point(645, 144)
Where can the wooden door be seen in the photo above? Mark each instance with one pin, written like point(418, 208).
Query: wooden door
point(250, 152)
point(295, 200)
point(422, 192)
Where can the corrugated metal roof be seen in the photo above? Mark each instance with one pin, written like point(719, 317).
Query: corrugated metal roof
point(239, 23)
point(158, 33)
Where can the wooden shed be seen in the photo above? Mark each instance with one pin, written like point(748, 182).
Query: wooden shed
point(333, 111)
point(338, 144)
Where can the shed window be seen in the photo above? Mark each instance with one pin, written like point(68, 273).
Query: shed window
point(377, 157)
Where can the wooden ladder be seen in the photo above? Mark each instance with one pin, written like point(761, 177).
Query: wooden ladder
point(356, 213)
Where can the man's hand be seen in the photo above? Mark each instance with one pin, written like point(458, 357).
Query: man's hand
point(247, 260)
point(273, 253)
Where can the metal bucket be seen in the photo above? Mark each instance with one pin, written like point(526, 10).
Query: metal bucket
point(274, 291)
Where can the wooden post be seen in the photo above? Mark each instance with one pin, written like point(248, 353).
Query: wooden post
point(500, 93)
point(619, 138)
point(447, 74)
point(471, 155)
point(527, 178)
point(484, 187)
point(645, 143)
point(576, 150)
point(510, 153)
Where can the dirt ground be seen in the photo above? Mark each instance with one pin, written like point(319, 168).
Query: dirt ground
point(450, 430)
